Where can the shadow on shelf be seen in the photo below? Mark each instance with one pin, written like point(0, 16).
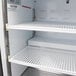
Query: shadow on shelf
point(35, 72)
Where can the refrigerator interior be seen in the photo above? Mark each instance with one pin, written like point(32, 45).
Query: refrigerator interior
point(50, 54)
point(47, 51)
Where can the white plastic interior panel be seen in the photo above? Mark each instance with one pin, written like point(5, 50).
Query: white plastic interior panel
point(46, 10)
point(17, 70)
point(53, 43)
point(36, 72)
point(56, 10)
point(51, 60)
point(44, 26)
point(18, 40)
point(49, 35)
point(20, 13)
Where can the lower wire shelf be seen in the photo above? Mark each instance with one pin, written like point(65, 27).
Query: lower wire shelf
point(51, 60)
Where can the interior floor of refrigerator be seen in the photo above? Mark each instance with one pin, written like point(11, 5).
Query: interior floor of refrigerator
point(35, 72)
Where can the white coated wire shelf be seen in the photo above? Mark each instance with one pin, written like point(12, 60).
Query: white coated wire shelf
point(44, 26)
point(51, 60)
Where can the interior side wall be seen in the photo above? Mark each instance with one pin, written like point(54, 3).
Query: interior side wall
point(17, 70)
point(17, 41)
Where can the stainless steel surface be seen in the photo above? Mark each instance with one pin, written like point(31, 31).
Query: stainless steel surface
point(4, 40)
